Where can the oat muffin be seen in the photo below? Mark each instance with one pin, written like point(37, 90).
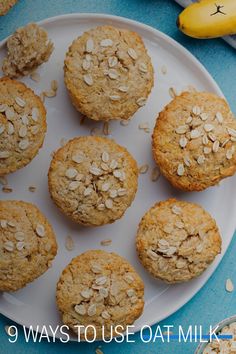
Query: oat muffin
point(27, 244)
point(100, 289)
point(93, 180)
point(6, 5)
point(108, 73)
point(194, 141)
point(22, 125)
point(27, 48)
point(177, 240)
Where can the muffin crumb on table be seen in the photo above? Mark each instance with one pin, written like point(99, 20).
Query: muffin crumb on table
point(27, 49)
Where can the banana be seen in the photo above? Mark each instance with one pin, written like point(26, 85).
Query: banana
point(208, 19)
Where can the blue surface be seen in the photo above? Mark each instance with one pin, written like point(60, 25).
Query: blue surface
point(212, 303)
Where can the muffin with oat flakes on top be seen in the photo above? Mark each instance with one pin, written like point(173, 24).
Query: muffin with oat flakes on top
point(93, 180)
point(176, 240)
point(194, 141)
point(22, 125)
point(108, 73)
point(99, 289)
point(27, 244)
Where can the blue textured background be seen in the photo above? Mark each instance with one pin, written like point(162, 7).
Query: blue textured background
point(212, 303)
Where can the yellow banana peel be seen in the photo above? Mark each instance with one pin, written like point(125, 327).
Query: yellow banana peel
point(208, 19)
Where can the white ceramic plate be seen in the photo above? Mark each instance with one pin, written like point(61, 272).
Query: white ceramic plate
point(35, 304)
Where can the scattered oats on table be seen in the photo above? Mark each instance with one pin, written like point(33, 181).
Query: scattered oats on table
point(124, 122)
point(229, 286)
point(32, 189)
point(54, 85)
point(35, 76)
point(106, 128)
point(9, 330)
point(69, 243)
point(106, 242)
point(49, 93)
point(145, 127)
point(143, 169)
point(98, 351)
point(155, 174)
point(7, 189)
point(166, 333)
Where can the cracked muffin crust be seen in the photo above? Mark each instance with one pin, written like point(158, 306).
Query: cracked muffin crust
point(177, 240)
point(22, 125)
point(27, 48)
point(6, 5)
point(108, 73)
point(100, 289)
point(93, 180)
point(194, 141)
point(27, 244)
